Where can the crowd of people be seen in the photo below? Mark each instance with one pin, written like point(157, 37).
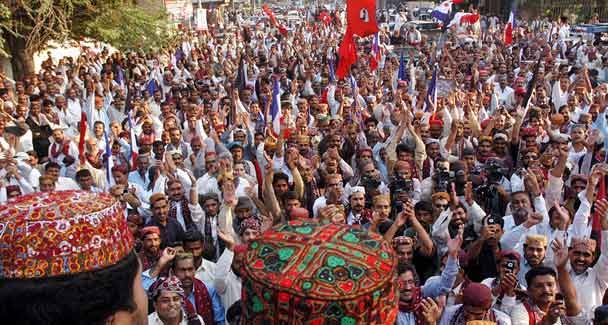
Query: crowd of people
point(492, 195)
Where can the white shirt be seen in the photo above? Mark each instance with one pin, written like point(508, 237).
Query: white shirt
point(505, 96)
point(207, 184)
point(73, 111)
point(591, 284)
point(68, 171)
point(206, 272)
point(227, 284)
point(135, 177)
point(66, 184)
point(319, 203)
point(153, 319)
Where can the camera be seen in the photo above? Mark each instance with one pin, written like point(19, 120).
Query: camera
point(369, 182)
point(444, 180)
point(398, 185)
point(487, 193)
point(494, 171)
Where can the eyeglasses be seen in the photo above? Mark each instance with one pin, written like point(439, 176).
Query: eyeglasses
point(403, 283)
point(211, 162)
point(442, 206)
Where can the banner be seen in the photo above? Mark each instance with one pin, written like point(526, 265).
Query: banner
point(179, 9)
point(201, 19)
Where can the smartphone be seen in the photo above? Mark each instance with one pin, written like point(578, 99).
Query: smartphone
point(510, 266)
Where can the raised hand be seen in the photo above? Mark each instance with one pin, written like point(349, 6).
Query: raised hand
point(563, 214)
point(531, 184)
point(601, 207)
point(560, 253)
point(405, 215)
point(508, 283)
point(167, 256)
point(429, 311)
point(455, 243)
point(533, 219)
point(468, 193)
point(227, 238)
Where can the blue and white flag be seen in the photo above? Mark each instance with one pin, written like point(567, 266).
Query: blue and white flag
point(275, 108)
point(109, 160)
point(133, 145)
point(402, 69)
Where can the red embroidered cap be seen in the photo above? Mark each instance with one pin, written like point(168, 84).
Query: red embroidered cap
point(58, 233)
point(311, 274)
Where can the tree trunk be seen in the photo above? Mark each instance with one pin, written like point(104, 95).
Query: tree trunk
point(22, 60)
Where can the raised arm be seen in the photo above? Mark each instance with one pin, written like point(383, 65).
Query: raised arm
point(560, 258)
point(269, 196)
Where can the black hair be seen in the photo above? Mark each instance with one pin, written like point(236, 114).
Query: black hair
point(290, 195)
point(371, 120)
point(175, 244)
point(51, 164)
point(280, 176)
point(407, 267)
point(193, 235)
point(402, 147)
point(423, 206)
point(209, 196)
point(539, 271)
point(520, 192)
point(84, 298)
point(233, 314)
point(83, 173)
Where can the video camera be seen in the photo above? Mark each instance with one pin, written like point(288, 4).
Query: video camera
point(494, 171)
point(443, 180)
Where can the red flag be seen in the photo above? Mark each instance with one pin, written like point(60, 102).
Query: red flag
point(361, 21)
point(361, 17)
point(274, 20)
point(325, 18)
point(375, 55)
point(83, 132)
point(463, 18)
point(347, 53)
point(509, 29)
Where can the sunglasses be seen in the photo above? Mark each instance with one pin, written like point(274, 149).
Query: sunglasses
point(442, 206)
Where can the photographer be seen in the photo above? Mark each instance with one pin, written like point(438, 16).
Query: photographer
point(371, 180)
point(438, 182)
point(402, 180)
point(493, 193)
point(484, 252)
point(405, 249)
point(505, 286)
